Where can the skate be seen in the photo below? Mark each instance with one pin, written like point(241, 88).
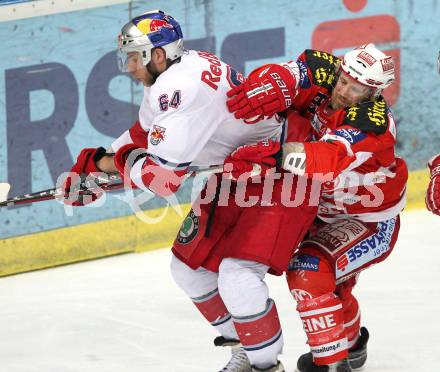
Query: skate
point(239, 361)
point(309, 366)
point(278, 368)
point(357, 356)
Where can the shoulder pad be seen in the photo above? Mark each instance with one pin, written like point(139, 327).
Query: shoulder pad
point(322, 65)
point(371, 116)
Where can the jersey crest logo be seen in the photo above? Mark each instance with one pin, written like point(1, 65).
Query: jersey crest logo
point(157, 135)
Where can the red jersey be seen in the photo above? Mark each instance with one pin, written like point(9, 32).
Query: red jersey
point(355, 146)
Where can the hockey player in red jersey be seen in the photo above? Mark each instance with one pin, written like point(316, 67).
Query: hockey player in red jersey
point(432, 198)
point(224, 248)
point(433, 192)
point(363, 188)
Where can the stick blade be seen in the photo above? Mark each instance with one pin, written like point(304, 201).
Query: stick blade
point(4, 190)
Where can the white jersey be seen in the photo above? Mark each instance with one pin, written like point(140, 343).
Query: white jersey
point(186, 116)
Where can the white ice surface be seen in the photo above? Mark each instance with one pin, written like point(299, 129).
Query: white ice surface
point(126, 314)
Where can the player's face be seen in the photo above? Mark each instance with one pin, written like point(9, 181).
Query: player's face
point(147, 75)
point(136, 69)
point(348, 92)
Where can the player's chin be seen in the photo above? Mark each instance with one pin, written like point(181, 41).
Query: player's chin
point(336, 105)
point(147, 81)
point(340, 104)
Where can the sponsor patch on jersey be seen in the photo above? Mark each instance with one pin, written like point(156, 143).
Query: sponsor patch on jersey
point(351, 135)
point(304, 81)
point(324, 77)
point(377, 113)
point(367, 250)
point(157, 135)
point(370, 116)
point(322, 66)
point(304, 262)
point(337, 237)
point(189, 229)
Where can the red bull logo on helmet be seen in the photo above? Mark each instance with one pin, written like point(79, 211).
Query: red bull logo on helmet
point(157, 24)
point(148, 25)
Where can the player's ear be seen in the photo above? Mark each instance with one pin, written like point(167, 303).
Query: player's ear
point(159, 55)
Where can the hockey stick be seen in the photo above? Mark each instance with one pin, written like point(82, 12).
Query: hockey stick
point(112, 182)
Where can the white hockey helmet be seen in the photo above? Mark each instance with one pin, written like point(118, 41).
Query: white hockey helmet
point(147, 31)
point(369, 66)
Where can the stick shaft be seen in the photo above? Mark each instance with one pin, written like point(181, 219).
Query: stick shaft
point(113, 182)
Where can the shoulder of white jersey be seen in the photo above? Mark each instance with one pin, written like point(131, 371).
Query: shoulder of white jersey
point(371, 116)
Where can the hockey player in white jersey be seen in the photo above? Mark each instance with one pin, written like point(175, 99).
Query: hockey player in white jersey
point(183, 121)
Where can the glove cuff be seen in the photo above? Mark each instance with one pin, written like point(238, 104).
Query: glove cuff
point(122, 155)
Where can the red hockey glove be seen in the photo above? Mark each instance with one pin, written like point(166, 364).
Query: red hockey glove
point(243, 159)
point(84, 166)
point(433, 193)
point(268, 90)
